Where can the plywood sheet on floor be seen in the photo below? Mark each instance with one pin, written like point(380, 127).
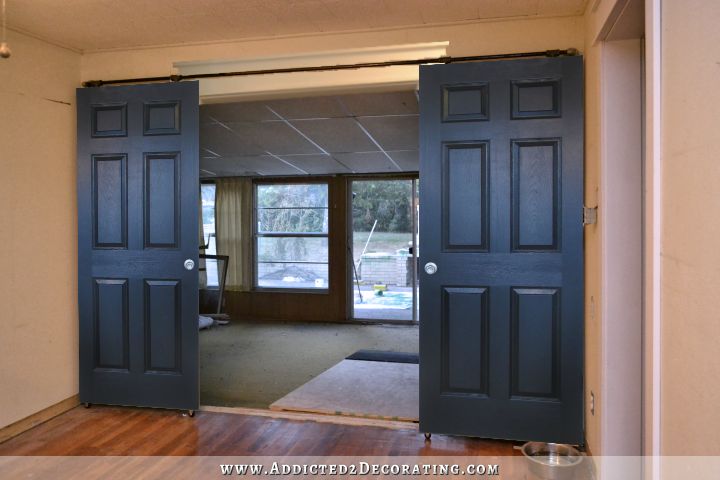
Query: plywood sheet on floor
point(359, 388)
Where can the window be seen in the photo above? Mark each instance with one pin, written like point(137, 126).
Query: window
point(207, 194)
point(291, 235)
point(207, 197)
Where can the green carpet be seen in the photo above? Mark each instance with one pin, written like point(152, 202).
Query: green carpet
point(254, 364)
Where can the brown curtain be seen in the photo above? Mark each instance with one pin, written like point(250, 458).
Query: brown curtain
point(233, 226)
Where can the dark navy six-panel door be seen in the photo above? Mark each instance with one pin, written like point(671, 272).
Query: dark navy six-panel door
point(137, 225)
point(501, 189)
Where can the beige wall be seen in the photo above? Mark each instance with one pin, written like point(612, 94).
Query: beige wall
point(593, 233)
point(690, 390)
point(468, 39)
point(39, 340)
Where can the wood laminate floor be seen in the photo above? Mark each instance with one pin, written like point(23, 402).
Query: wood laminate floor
point(104, 430)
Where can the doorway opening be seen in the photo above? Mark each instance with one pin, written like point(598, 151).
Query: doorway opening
point(283, 181)
point(384, 221)
point(501, 219)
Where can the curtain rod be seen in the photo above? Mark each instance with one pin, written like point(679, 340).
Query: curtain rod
point(444, 59)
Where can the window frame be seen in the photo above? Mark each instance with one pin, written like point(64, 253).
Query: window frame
point(202, 263)
point(256, 235)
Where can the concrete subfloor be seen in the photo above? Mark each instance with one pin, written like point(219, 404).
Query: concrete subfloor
point(253, 364)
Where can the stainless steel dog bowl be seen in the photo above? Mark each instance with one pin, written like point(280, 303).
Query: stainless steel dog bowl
point(552, 461)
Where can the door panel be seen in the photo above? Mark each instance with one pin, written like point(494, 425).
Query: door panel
point(534, 343)
point(110, 322)
point(161, 200)
point(501, 172)
point(109, 184)
point(465, 168)
point(137, 224)
point(465, 365)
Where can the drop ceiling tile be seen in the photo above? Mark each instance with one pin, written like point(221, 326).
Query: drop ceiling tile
point(407, 160)
point(393, 133)
point(317, 164)
point(337, 135)
point(223, 142)
point(251, 165)
point(307, 107)
point(387, 103)
point(205, 116)
point(225, 170)
point(237, 112)
point(367, 162)
point(274, 137)
point(267, 165)
point(205, 152)
point(221, 167)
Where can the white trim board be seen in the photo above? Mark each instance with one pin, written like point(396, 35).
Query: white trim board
point(214, 90)
point(620, 213)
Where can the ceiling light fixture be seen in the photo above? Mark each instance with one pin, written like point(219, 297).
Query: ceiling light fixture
point(4, 48)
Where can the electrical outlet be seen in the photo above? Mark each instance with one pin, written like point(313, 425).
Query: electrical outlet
point(592, 403)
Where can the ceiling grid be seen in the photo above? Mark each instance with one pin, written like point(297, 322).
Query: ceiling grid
point(360, 133)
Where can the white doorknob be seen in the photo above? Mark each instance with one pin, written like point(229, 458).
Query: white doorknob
point(189, 264)
point(430, 268)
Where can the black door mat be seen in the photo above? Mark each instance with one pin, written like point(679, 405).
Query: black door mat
point(381, 356)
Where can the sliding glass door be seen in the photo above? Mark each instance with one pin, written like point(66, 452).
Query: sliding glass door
point(384, 249)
